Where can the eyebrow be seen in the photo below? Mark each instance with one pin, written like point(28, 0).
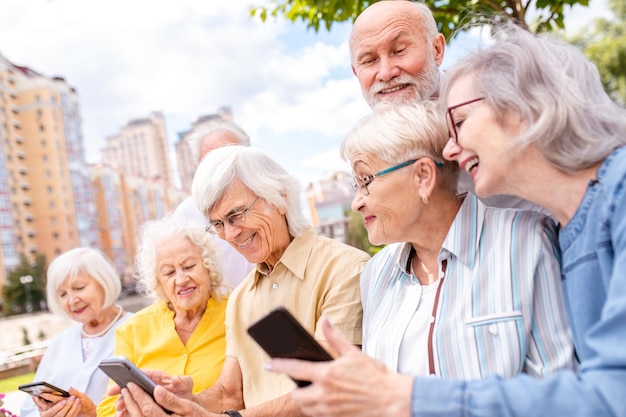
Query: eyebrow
point(395, 39)
point(231, 212)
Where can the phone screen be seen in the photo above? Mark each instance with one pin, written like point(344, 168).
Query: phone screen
point(282, 336)
point(41, 387)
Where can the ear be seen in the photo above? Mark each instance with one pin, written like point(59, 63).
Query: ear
point(425, 176)
point(439, 47)
point(283, 209)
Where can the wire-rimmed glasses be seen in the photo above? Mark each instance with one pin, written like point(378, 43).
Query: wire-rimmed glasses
point(452, 129)
point(236, 219)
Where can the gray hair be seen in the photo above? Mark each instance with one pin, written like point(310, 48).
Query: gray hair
point(397, 133)
point(154, 232)
point(556, 91)
point(257, 171)
point(199, 133)
point(77, 261)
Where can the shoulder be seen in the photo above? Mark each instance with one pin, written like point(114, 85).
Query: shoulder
point(147, 314)
point(336, 248)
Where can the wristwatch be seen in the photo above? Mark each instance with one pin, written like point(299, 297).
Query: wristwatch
point(232, 413)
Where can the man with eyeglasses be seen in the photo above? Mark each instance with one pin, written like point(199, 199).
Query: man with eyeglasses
point(254, 204)
point(205, 138)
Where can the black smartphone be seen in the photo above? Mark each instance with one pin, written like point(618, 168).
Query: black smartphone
point(41, 387)
point(281, 335)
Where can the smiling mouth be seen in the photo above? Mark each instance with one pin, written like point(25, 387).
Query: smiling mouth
point(393, 89)
point(245, 242)
point(186, 291)
point(471, 165)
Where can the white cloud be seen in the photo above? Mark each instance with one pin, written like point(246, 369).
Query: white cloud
point(291, 89)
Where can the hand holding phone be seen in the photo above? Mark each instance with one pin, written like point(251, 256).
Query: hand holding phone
point(123, 371)
point(281, 335)
point(41, 387)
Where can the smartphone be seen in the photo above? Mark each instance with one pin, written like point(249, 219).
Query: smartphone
point(281, 335)
point(123, 371)
point(41, 387)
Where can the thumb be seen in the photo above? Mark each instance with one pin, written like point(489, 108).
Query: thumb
point(336, 340)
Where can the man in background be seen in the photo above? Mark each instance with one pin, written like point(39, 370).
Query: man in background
point(395, 53)
point(203, 140)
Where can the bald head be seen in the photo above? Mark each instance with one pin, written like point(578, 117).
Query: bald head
point(395, 50)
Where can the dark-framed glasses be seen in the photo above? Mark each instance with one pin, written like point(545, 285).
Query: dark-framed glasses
point(361, 183)
point(235, 219)
point(453, 127)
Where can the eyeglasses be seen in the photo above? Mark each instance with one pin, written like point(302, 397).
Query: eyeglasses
point(361, 183)
point(236, 219)
point(454, 134)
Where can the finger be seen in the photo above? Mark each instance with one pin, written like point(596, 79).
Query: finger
point(131, 408)
point(53, 398)
point(159, 377)
point(337, 340)
point(114, 390)
point(144, 402)
point(296, 369)
point(171, 402)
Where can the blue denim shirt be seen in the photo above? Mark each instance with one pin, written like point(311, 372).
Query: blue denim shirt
point(593, 246)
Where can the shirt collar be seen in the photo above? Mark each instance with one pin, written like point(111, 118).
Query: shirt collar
point(295, 258)
point(464, 234)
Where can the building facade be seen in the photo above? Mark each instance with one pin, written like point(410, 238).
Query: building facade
point(44, 179)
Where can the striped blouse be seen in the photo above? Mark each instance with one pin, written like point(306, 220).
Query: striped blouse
point(499, 307)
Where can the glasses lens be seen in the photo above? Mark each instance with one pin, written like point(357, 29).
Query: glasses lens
point(236, 219)
point(215, 228)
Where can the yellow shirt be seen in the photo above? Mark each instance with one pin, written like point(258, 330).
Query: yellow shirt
point(150, 341)
point(315, 276)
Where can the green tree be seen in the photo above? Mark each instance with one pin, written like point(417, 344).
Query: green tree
point(604, 43)
point(17, 295)
point(450, 15)
point(357, 234)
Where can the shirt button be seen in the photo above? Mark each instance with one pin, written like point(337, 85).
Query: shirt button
point(432, 319)
point(184, 356)
point(441, 274)
point(275, 285)
point(493, 329)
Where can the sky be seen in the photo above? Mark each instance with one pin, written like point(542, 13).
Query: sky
point(289, 87)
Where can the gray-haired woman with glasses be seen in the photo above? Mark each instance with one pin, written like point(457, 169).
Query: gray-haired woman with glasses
point(462, 290)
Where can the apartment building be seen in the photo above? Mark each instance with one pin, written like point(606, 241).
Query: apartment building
point(186, 159)
point(124, 202)
point(45, 192)
point(328, 201)
point(141, 150)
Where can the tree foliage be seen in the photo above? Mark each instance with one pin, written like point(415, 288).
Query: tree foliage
point(16, 295)
point(451, 15)
point(357, 234)
point(604, 43)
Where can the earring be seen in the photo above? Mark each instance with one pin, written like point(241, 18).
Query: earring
point(424, 198)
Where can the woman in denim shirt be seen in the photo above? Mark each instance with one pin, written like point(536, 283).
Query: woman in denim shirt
point(527, 116)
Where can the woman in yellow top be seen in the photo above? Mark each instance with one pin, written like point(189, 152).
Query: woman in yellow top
point(183, 333)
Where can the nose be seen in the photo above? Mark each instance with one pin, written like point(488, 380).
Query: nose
point(181, 276)
point(387, 69)
point(358, 202)
point(231, 232)
point(452, 150)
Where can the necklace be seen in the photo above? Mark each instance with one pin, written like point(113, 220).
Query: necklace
point(117, 317)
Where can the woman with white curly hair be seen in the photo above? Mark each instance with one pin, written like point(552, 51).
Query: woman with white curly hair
point(183, 333)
